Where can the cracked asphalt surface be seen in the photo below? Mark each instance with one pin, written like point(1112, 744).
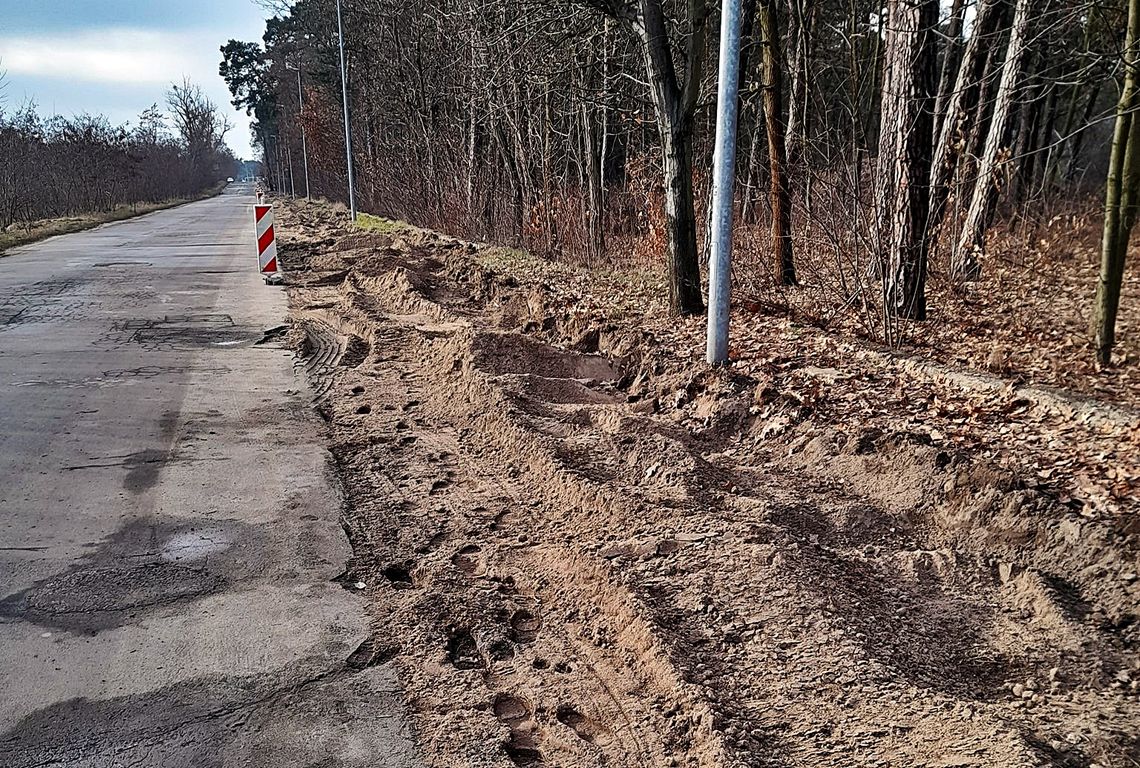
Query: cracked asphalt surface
point(169, 523)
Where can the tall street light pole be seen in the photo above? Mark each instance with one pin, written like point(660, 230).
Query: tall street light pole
point(304, 140)
point(724, 177)
point(347, 124)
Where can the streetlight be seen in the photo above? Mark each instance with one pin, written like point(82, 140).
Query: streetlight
point(301, 119)
point(347, 125)
point(724, 176)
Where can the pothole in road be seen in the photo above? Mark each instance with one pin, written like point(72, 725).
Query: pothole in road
point(147, 566)
point(202, 330)
point(187, 337)
point(276, 333)
point(94, 599)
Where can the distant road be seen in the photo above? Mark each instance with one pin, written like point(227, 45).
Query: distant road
point(168, 528)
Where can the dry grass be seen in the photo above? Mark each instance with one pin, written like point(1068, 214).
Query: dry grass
point(32, 232)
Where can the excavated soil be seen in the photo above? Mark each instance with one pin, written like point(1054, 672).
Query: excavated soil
point(578, 558)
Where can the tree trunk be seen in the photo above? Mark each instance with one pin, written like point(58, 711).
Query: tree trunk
point(961, 102)
point(472, 110)
point(779, 196)
point(1077, 93)
point(905, 148)
point(674, 105)
point(1122, 193)
point(1044, 145)
point(471, 166)
point(803, 14)
point(594, 213)
point(681, 224)
point(751, 174)
point(965, 264)
point(950, 60)
point(1023, 153)
point(1078, 135)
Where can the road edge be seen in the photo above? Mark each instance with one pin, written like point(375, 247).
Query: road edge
point(95, 224)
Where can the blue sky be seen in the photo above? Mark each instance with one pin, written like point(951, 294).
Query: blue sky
point(117, 57)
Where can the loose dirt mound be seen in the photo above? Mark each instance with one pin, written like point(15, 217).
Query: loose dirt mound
point(584, 551)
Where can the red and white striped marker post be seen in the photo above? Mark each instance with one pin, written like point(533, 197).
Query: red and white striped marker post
point(266, 241)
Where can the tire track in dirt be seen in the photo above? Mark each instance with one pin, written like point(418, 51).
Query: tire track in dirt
point(495, 620)
point(572, 581)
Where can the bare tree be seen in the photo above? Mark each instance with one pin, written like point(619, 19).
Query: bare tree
point(905, 153)
point(780, 194)
point(951, 57)
point(965, 263)
point(84, 164)
point(583, 129)
point(962, 106)
point(201, 127)
point(675, 87)
point(1122, 194)
point(801, 33)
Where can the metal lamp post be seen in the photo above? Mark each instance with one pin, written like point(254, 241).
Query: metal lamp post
point(724, 176)
point(301, 120)
point(347, 124)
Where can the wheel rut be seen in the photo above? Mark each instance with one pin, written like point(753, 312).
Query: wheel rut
point(466, 531)
point(580, 580)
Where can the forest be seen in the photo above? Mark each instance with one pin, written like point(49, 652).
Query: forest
point(65, 166)
point(891, 156)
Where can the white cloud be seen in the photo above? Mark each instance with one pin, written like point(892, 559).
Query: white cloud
point(107, 55)
point(116, 71)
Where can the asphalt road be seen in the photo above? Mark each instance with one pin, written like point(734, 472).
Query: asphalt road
point(169, 523)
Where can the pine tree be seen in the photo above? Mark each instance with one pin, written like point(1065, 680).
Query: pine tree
point(905, 149)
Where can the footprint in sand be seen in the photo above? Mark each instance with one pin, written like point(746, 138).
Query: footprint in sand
point(525, 626)
point(515, 713)
point(584, 727)
point(470, 560)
